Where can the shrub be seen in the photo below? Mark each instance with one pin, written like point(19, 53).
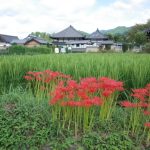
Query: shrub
point(18, 49)
point(39, 50)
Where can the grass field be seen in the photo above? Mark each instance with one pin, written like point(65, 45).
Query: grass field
point(30, 124)
point(133, 69)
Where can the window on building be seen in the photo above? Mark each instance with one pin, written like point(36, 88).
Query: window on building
point(77, 45)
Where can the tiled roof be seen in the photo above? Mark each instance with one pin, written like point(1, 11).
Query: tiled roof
point(30, 38)
point(7, 38)
point(69, 32)
point(97, 35)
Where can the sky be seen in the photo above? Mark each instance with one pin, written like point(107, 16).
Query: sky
point(21, 17)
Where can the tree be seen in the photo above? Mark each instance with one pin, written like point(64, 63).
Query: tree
point(140, 38)
point(146, 48)
point(137, 35)
point(43, 35)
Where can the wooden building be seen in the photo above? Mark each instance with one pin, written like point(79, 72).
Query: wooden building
point(31, 41)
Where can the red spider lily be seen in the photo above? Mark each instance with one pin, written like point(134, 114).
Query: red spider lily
point(47, 76)
point(82, 94)
point(148, 89)
point(30, 72)
point(71, 95)
point(140, 91)
point(107, 93)
point(142, 95)
point(72, 84)
point(65, 76)
point(48, 80)
point(97, 101)
point(58, 94)
point(89, 84)
point(38, 78)
point(72, 103)
point(128, 104)
point(82, 91)
point(139, 96)
point(147, 124)
point(84, 103)
point(148, 86)
point(36, 75)
point(28, 78)
point(87, 103)
point(109, 84)
point(147, 113)
point(55, 99)
point(144, 105)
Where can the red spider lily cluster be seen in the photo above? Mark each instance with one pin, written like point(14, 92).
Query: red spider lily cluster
point(42, 82)
point(88, 92)
point(46, 76)
point(73, 103)
point(142, 98)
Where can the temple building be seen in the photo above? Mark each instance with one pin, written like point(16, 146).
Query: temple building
point(73, 40)
point(100, 40)
point(70, 38)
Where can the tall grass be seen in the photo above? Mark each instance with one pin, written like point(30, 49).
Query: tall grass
point(133, 69)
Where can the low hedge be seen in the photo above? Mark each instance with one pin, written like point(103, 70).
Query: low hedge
point(18, 49)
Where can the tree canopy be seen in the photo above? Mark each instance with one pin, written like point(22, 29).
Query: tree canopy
point(43, 35)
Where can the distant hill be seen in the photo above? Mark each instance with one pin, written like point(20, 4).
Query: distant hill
point(84, 33)
point(117, 30)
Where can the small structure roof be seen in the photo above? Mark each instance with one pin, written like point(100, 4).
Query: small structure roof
point(35, 38)
point(97, 35)
point(18, 41)
point(69, 32)
point(7, 38)
point(30, 38)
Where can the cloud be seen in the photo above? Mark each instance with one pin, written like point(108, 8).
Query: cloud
point(20, 17)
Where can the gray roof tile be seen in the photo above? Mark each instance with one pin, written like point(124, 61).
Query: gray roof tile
point(69, 32)
point(29, 38)
point(7, 38)
point(97, 35)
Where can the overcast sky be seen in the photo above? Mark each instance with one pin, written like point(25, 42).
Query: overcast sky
point(21, 17)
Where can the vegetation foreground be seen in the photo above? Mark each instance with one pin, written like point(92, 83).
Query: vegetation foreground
point(75, 101)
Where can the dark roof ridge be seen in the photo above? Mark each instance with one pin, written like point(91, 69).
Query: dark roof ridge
point(68, 32)
point(8, 35)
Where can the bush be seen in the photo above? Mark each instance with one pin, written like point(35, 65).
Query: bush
point(146, 48)
point(18, 49)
